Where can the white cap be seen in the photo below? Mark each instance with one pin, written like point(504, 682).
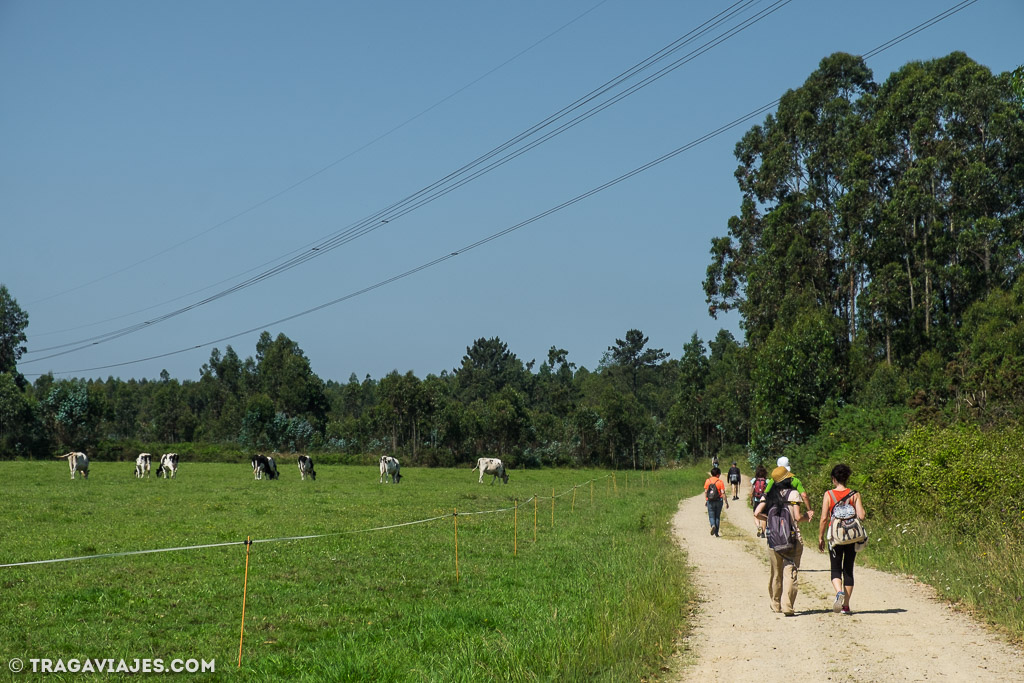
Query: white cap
point(783, 462)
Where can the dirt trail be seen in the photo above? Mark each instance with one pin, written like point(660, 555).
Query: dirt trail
point(898, 631)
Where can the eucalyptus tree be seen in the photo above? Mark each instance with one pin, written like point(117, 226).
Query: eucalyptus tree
point(13, 321)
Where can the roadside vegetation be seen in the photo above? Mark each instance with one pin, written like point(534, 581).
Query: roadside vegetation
point(598, 596)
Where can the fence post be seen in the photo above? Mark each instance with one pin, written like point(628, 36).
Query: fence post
point(552, 508)
point(515, 530)
point(245, 586)
point(573, 508)
point(535, 518)
point(455, 517)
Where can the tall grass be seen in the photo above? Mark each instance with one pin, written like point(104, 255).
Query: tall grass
point(598, 596)
point(944, 505)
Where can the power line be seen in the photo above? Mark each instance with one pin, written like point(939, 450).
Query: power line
point(452, 254)
point(312, 175)
point(453, 180)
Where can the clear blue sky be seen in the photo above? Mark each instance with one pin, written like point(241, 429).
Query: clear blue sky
point(134, 134)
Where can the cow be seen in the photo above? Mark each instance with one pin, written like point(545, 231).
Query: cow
point(306, 467)
point(78, 462)
point(389, 467)
point(264, 464)
point(168, 466)
point(491, 466)
point(143, 465)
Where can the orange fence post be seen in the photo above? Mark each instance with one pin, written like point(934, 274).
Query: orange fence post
point(245, 586)
point(515, 529)
point(455, 516)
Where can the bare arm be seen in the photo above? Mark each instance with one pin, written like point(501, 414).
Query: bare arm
point(823, 523)
point(858, 506)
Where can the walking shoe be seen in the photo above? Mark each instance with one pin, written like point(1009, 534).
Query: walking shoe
point(788, 614)
point(837, 606)
point(846, 610)
point(713, 530)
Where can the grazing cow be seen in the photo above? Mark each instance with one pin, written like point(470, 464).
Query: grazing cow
point(491, 466)
point(306, 467)
point(264, 464)
point(143, 464)
point(168, 466)
point(389, 467)
point(78, 462)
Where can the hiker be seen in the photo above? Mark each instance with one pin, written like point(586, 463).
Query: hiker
point(714, 497)
point(734, 481)
point(781, 510)
point(714, 462)
point(841, 557)
point(797, 484)
point(758, 486)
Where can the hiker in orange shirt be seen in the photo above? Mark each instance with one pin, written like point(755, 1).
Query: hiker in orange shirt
point(714, 497)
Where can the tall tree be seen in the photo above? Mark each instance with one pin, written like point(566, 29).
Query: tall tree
point(13, 321)
point(633, 358)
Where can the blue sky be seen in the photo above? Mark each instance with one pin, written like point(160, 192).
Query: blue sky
point(156, 154)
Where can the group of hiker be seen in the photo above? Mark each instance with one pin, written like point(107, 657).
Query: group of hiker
point(780, 502)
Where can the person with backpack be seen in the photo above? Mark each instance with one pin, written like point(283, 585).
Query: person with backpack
point(758, 487)
point(797, 484)
point(734, 481)
point(780, 510)
point(838, 505)
point(714, 497)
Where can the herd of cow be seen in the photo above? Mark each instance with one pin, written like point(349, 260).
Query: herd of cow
point(264, 466)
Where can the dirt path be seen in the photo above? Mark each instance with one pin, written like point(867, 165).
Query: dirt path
point(898, 632)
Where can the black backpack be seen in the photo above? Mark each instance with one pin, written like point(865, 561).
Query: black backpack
point(712, 493)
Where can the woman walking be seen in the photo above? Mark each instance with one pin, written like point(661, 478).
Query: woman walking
point(841, 557)
point(758, 486)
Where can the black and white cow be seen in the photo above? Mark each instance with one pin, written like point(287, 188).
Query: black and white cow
point(389, 467)
point(168, 466)
point(306, 467)
point(143, 465)
point(264, 464)
point(491, 466)
point(78, 462)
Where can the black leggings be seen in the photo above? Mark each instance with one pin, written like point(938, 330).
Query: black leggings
point(842, 557)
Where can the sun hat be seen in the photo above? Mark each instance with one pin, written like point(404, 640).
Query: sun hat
point(784, 462)
point(780, 473)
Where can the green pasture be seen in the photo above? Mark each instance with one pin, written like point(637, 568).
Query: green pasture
point(599, 595)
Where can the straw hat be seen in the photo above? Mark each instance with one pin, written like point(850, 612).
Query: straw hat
point(780, 473)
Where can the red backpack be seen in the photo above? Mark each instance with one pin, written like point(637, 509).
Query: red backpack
point(760, 484)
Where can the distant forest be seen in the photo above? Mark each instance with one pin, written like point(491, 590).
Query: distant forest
point(874, 261)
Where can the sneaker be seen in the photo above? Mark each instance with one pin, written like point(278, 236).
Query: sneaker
point(713, 530)
point(846, 610)
point(837, 606)
point(788, 614)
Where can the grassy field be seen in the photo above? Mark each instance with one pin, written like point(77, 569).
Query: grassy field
point(600, 595)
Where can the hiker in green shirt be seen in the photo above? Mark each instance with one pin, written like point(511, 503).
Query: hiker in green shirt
point(784, 462)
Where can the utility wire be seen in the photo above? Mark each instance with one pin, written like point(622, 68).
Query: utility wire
point(307, 178)
point(679, 150)
point(453, 181)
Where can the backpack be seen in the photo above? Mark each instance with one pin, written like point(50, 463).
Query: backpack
point(712, 493)
point(760, 484)
point(734, 475)
point(845, 528)
point(780, 531)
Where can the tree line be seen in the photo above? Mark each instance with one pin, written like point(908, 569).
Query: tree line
point(874, 263)
point(623, 414)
